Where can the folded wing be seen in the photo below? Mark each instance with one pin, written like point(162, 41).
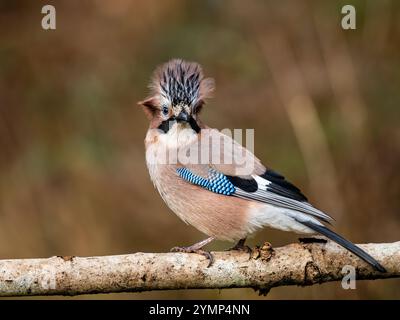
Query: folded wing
point(233, 170)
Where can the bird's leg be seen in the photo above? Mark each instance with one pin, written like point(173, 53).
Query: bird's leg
point(240, 246)
point(197, 248)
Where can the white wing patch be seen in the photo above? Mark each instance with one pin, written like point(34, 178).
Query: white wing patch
point(266, 196)
point(262, 183)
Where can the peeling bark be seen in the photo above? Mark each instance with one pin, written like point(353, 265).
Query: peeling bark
point(295, 264)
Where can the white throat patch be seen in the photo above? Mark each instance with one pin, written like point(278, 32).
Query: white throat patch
point(179, 135)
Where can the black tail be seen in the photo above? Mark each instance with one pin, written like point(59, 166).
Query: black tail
point(344, 243)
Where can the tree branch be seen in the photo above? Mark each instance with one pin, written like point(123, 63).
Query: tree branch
point(294, 264)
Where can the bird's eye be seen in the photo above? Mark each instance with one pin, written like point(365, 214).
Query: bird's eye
point(165, 110)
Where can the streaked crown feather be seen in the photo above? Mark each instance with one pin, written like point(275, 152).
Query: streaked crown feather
point(181, 82)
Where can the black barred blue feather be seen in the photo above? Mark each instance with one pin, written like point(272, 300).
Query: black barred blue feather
point(215, 182)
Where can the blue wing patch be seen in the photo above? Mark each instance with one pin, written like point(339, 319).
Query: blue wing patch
point(215, 182)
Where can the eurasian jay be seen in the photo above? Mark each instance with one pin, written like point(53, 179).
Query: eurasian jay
point(212, 182)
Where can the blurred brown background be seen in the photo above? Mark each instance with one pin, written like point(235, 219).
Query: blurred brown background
point(324, 103)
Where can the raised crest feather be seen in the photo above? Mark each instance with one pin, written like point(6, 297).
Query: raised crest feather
point(181, 82)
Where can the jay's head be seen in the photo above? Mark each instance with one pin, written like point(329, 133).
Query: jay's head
point(178, 92)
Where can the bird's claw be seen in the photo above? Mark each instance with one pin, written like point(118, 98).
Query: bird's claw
point(204, 253)
point(243, 248)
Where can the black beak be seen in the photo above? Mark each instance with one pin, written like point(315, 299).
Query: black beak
point(182, 116)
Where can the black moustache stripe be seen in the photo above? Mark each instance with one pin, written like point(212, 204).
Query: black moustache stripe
point(164, 126)
point(194, 125)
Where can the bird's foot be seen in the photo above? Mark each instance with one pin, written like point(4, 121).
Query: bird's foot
point(240, 247)
point(191, 249)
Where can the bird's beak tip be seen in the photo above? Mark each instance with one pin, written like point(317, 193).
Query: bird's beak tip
point(183, 116)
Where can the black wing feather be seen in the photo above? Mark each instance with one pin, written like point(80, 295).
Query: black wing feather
point(277, 192)
point(344, 243)
point(248, 185)
point(281, 186)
